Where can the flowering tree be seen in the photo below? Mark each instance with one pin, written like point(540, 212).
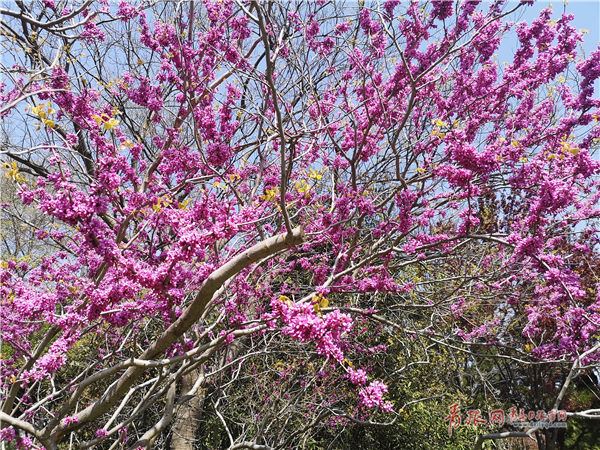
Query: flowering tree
point(221, 188)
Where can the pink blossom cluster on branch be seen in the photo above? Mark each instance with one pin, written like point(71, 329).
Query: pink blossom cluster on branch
point(170, 172)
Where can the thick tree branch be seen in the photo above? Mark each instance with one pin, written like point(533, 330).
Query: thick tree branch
point(181, 325)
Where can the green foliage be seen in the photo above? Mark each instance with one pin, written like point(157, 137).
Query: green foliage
point(582, 435)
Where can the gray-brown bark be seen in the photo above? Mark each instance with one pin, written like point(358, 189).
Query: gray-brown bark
point(194, 311)
point(187, 414)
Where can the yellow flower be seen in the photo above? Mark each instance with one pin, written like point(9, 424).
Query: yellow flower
point(436, 132)
point(44, 111)
point(110, 124)
point(107, 122)
point(97, 119)
point(285, 299)
point(12, 172)
point(163, 201)
point(566, 147)
point(315, 174)
point(127, 144)
point(38, 111)
point(270, 195)
point(302, 186)
point(319, 302)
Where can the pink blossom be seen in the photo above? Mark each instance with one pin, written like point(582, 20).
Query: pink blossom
point(371, 396)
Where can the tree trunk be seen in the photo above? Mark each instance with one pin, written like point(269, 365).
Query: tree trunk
point(187, 415)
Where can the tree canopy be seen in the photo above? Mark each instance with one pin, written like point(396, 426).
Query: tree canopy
point(282, 220)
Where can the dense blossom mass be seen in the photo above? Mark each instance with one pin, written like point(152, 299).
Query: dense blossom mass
point(243, 171)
